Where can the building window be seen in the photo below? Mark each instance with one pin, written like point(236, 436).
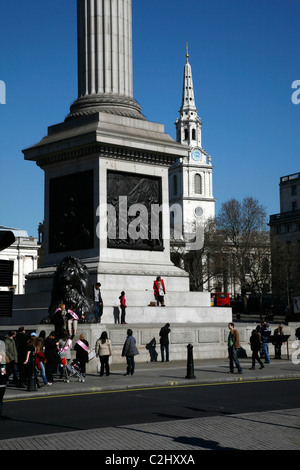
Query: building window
point(193, 134)
point(198, 184)
point(294, 205)
point(294, 190)
point(186, 134)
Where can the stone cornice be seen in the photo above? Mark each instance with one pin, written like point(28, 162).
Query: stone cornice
point(106, 151)
point(106, 135)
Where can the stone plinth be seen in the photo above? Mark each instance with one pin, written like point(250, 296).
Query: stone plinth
point(88, 149)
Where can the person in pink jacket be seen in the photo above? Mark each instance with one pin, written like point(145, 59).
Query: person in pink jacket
point(123, 307)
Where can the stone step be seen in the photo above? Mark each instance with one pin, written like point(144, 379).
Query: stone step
point(170, 314)
point(143, 298)
point(180, 307)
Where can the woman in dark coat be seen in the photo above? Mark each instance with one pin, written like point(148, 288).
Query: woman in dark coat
point(82, 353)
point(129, 351)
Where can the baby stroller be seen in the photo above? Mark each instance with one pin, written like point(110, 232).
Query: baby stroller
point(72, 369)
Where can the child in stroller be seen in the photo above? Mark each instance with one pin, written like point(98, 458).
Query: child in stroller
point(72, 369)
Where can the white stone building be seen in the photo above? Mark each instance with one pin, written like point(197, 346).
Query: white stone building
point(23, 253)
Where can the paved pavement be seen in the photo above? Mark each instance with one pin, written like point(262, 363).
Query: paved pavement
point(163, 374)
point(277, 429)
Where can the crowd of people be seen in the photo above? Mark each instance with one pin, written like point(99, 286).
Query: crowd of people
point(53, 352)
point(48, 354)
point(259, 343)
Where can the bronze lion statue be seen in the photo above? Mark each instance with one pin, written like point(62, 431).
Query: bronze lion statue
point(72, 286)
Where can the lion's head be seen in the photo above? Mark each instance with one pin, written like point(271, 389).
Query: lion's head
point(72, 286)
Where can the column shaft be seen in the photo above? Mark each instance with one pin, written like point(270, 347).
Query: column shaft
point(105, 72)
point(105, 47)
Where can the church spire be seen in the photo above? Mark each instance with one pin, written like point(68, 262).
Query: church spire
point(189, 124)
point(190, 178)
point(188, 99)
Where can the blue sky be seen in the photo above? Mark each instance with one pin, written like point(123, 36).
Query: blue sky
point(244, 56)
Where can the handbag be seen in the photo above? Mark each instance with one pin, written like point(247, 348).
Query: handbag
point(62, 359)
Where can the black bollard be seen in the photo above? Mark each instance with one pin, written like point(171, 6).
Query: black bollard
point(190, 363)
point(31, 386)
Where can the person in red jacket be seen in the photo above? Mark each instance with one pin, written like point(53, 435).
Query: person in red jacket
point(123, 307)
point(159, 291)
point(40, 361)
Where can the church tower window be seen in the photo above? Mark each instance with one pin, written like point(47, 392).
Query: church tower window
point(198, 184)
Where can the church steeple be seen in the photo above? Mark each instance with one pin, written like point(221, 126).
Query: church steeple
point(189, 124)
point(190, 179)
point(188, 99)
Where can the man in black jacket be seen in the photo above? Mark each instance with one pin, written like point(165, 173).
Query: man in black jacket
point(164, 341)
point(51, 356)
point(98, 302)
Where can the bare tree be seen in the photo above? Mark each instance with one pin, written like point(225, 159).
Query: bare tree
point(206, 265)
point(243, 225)
point(236, 248)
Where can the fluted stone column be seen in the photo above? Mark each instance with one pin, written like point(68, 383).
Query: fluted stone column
point(105, 81)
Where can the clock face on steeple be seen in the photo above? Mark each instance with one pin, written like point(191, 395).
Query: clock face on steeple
point(196, 154)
